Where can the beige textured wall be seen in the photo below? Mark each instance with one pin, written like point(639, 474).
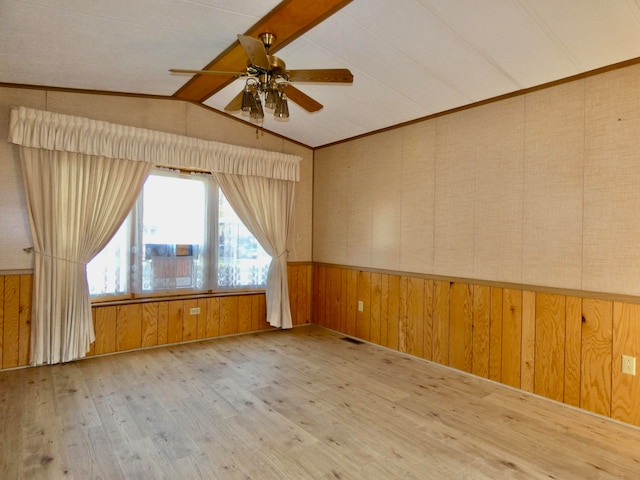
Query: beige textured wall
point(158, 114)
point(14, 220)
point(539, 189)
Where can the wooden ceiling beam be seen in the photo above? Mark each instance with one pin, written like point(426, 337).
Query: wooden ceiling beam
point(287, 21)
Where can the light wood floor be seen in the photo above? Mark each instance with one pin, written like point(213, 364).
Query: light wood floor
point(300, 404)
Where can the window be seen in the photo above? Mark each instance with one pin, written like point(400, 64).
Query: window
point(181, 234)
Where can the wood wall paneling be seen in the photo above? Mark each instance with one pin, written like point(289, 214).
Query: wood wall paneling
point(189, 320)
point(363, 318)
point(402, 324)
point(304, 295)
point(344, 294)
point(149, 331)
point(128, 327)
point(244, 314)
point(175, 325)
point(427, 342)
point(376, 300)
point(461, 326)
point(393, 318)
point(495, 335)
point(550, 345)
point(626, 341)
point(384, 309)
point(572, 350)
point(481, 330)
point(105, 325)
point(527, 352)
point(292, 279)
point(352, 302)
point(335, 297)
point(228, 315)
point(163, 323)
point(597, 332)
point(320, 302)
point(511, 336)
point(262, 313)
point(315, 293)
point(10, 353)
point(415, 316)
point(440, 346)
point(24, 330)
point(257, 323)
point(203, 316)
point(327, 300)
point(2, 281)
point(212, 326)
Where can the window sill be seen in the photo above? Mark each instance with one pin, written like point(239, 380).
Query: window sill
point(173, 295)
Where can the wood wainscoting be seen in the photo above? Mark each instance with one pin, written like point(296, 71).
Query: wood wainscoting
point(15, 319)
point(565, 347)
point(130, 326)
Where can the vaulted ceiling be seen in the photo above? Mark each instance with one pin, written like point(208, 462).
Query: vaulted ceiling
point(410, 59)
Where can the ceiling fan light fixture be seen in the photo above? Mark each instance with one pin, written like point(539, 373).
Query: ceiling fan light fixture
point(271, 98)
point(282, 110)
point(256, 112)
point(247, 97)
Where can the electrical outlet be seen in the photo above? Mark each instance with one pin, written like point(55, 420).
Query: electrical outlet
point(360, 306)
point(194, 311)
point(628, 364)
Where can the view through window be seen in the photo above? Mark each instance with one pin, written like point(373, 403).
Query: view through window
point(181, 234)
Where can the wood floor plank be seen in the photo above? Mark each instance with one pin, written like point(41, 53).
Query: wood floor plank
point(297, 404)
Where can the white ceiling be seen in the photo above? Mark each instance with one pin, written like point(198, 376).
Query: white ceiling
point(410, 58)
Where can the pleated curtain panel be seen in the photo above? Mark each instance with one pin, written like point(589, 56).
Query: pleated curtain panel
point(82, 177)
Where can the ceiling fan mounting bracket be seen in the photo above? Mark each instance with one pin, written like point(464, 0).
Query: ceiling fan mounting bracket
point(267, 40)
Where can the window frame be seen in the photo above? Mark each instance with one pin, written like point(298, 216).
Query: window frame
point(210, 268)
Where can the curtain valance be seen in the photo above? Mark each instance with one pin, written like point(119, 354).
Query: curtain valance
point(54, 131)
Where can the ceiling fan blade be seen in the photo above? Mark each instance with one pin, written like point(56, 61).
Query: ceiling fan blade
point(235, 104)
point(339, 75)
point(302, 99)
point(207, 72)
point(256, 53)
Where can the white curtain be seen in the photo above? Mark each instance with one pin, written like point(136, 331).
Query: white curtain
point(81, 178)
point(265, 206)
point(76, 203)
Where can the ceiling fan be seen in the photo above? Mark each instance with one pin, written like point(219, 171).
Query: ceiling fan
point(268, 77)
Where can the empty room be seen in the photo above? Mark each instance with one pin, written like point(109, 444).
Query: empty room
point(319, 240)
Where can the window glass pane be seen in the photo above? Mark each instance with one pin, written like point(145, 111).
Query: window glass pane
point(173, 233)
point(242, 262)
point(164, 243)
point(108, 272)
